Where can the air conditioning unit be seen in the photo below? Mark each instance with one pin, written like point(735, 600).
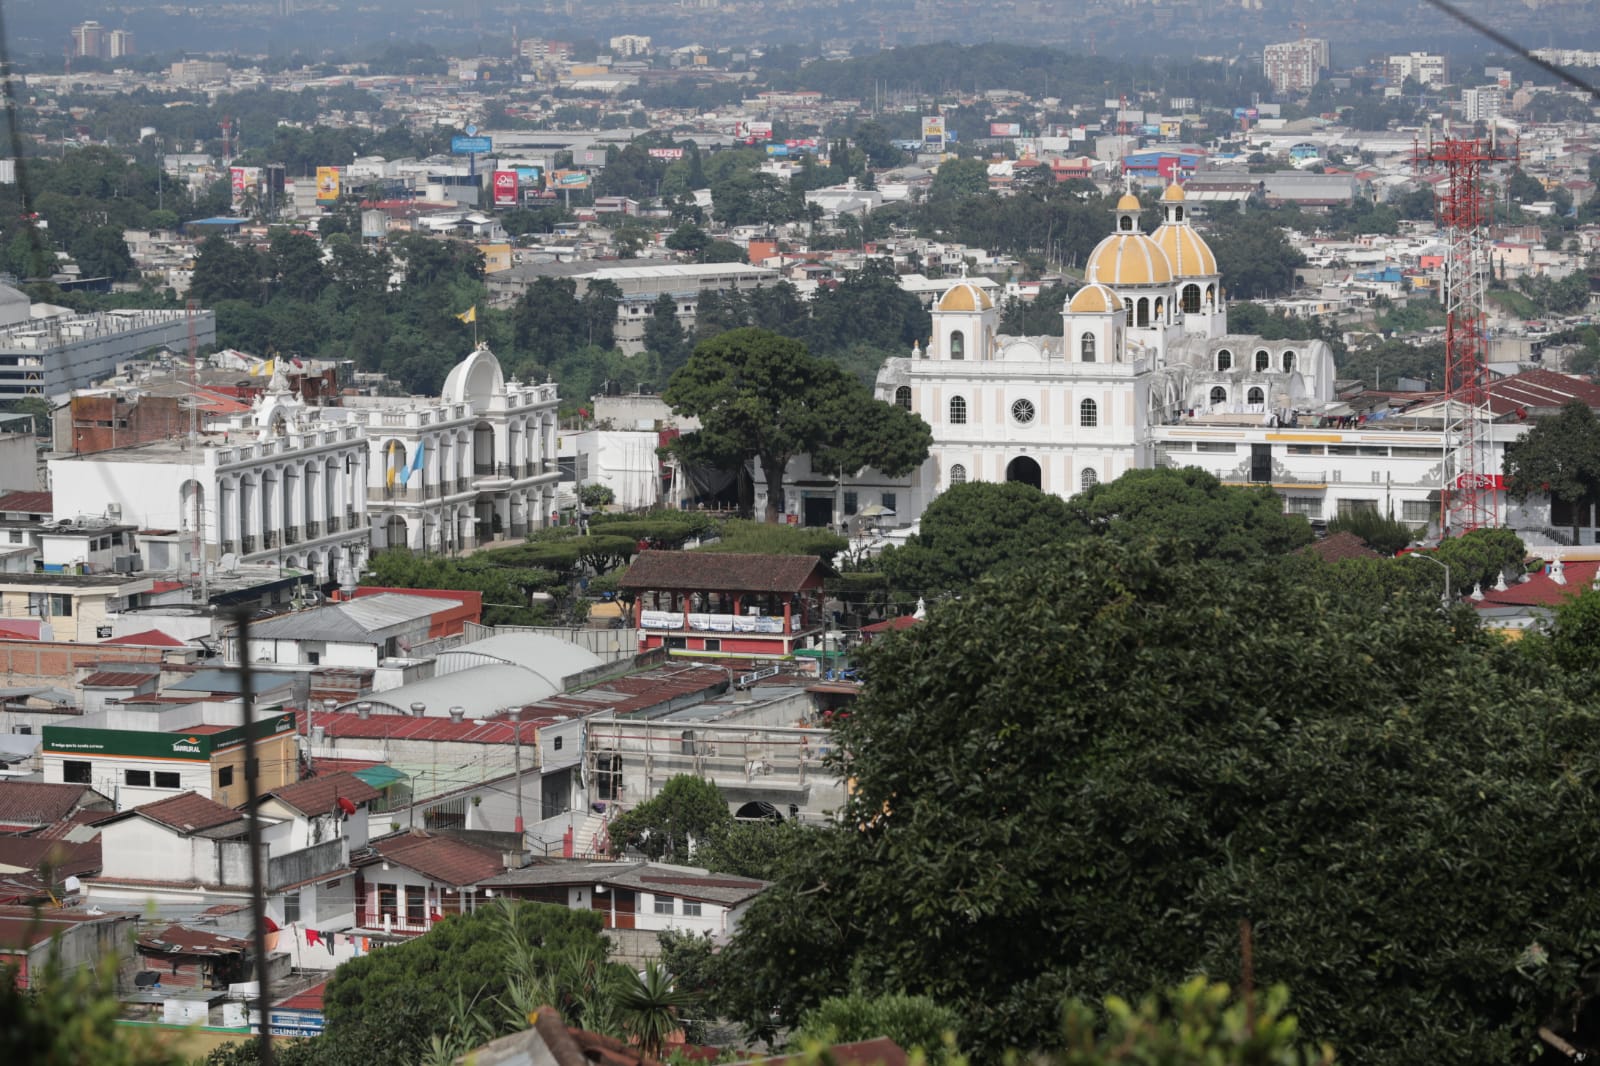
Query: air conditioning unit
point(127, 564)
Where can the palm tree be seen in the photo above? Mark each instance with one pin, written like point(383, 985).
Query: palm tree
point(650, 1007)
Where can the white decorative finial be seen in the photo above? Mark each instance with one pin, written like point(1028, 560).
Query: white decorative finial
point(1477, 590)
point(1500, 585)
point(922, 609)
point(1558, 572)
point(963, 269)
point(916, 349)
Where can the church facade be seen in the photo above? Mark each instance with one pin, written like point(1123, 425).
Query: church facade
point(1144, 344)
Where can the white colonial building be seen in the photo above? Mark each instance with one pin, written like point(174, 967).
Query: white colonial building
point(476, 464)
point(1144, 343)
point(279, 484)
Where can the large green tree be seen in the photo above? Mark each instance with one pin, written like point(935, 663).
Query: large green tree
point(1192, 511)
point(1079, 779)
point(764, 398)
point(1558, 457)
point(971, 529)
point(687, 810)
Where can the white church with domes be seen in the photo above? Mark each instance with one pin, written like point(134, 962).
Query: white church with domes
point(1144, 342)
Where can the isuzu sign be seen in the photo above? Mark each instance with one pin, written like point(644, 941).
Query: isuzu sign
point(505, 187)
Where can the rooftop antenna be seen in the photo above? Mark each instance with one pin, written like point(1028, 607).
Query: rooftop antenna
point(197, 558)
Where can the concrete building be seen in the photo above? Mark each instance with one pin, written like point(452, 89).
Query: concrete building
point(1482, 104)
point(476, 465)
point(51, 356)
point(1429, 68)
point(1293, 67)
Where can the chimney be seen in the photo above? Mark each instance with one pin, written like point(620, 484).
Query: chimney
point(418, 709)
point(318, 735)
point(364, 710)
point(457, 713)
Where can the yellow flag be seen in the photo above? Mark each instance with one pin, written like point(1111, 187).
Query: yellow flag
point(470, 315)
point(393, 445)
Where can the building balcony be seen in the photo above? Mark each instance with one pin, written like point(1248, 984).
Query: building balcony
point(269, 540)
point(333, 523)
point(248, 543)
point(462, 484)
point(313, 530)
point(291, 535)
point(350, 521)
point(228, 547)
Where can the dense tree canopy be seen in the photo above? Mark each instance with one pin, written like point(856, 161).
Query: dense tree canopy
point(1559, 456)
point(1079, 778)
point(686, 811)
point(763, 398)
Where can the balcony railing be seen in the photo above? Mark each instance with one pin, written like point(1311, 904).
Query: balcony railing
point(229, 547)
point(291, 535)
point(482, 469)
point(333, 523)
point(350, 520)
point(313, 530)
point(249, 543)
point(269, 539)
point(462, 483)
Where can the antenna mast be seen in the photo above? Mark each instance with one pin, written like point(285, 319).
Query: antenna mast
point(196, 555)
point(1467, 495)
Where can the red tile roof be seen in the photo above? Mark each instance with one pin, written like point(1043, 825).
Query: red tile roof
point(188, 812)
point(321, 794)
point(64, 859)
point(904, 621)
point(1336, 547)
point(443, 859)
point(20, 629)
point(1540, 591)
point(116, 679)
point(181, 940)
point(39, 803)
point(62, 828)
point(310, 999)
point(1540, 389)
point(723, 571)
point(28, 503)
point(150, 638)
point(29, 927)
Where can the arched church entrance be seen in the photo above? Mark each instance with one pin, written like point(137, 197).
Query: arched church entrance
point(1025, 470)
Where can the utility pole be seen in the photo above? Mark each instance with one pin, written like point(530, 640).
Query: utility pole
point(516, 755)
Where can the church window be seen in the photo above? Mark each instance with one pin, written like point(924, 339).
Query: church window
point(958, 474)
point(1088, 479)
point(902, 396)
point(1263, 359)
point(1177, 214)
point(1224, 359)
point(1211, 295)
point(958, 410)
point(1022, 411)
point(958, 345)
point(1130, 312)
point(1086, 347)
point(1144, 310)
point(1125, 223)
point(1088, 414)
point(1256, 396)
point(1288, 362)
point(1161, 306)
point(1190, 300)
point(1219, 396)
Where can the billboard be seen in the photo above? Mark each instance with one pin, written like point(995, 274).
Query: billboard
point(1005, 129)
point(590, 157)
point(933, 128)
point(505, 188)
point(471, 145)
point(569, 179)
point(327, 184)
point(666, 153)
point(236, 175)
point(530, 177)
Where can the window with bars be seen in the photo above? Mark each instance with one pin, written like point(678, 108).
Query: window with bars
point(1088, 414)
point(958, 410)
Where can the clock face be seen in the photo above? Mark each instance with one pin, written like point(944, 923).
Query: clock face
point(1022, 411)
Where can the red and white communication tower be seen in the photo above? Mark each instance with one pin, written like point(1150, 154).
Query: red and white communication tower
point(1467, 495)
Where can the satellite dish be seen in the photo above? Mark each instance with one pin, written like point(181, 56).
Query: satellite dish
point(72, 884)
point(230, 562)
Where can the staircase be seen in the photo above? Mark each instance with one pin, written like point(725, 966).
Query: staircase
point(589, 840)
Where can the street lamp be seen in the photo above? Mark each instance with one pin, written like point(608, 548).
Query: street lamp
point(1444, 597)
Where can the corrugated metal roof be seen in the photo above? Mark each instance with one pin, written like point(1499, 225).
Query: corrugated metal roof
point(550, 656)
point(479, 691)
point(352, 621)
point(380, 777)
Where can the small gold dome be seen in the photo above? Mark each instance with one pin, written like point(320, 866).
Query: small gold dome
point(964, 296)
point(1094, 299)
point(1174, 193)
point(1129, 202)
